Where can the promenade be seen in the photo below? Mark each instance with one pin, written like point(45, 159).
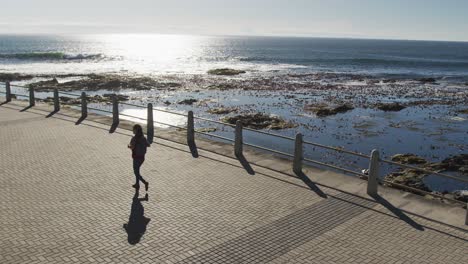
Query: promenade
point(65, 195)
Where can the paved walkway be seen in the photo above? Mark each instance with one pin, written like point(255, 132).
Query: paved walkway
point(65, 195)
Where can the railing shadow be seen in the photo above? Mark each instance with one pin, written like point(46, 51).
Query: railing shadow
point(245, 164)
point(113, 128)
point(52, 113)
point(193, 149)
point(397, 212)
point(80, 120)
point(137, 222)
point(311, 184)
point(4, 103)
point(26, 108)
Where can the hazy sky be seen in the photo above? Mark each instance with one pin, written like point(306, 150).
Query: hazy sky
point(401, 19)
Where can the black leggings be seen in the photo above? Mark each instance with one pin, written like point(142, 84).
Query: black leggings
point(136, 169)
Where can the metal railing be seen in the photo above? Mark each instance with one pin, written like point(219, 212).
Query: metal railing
point(298, 158)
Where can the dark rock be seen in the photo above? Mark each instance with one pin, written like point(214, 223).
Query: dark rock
point(225, 71)
point(427, 80)
point(463, 111)
point(206, 129)
point(221, 110)
point(9, 77)
point(120, 97)
point(260, 121)
point(51, 83)
point(324, 110)
point(188, 101)
point(390, 107)
point(167, 103)
point(221, 86)
point(408, 159)
point(103, 82)
point(408, 177)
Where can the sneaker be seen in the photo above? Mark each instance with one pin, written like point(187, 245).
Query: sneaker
point(136, 186)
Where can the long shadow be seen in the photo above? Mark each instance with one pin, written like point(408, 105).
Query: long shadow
point(137, 222)
point(4, 103)
point(51, 114)
point(245, 164)
point(311, 184)
point(26, 108)
point(80, 120)
point(193, 149)
point(113, 128)
point(397, 212)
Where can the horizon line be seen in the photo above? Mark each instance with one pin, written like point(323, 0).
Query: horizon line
point(305, 36)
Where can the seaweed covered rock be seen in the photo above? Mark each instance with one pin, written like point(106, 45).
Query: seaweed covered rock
point(394, 107)
point(427, 80)
point(221, 110)
point(109, 82)
point(324, 110)
point(188, 101)
point(120, 97)
point(463, 111)
point(41, 84)
point(225, 71)
point(9, 77)
point(454, 163)
point(260, 121)
point(206, 129)
point(408, 177)
point(408, 159)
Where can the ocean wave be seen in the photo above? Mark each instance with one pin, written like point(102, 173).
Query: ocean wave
point(361, 61)
point(50, 56)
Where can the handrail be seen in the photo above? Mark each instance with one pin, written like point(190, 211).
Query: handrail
point(270, 134)
point(337, 149)
point(214, 121)
point(213, 135)
point(60, 92)
point(271, 150)
point(336, 167)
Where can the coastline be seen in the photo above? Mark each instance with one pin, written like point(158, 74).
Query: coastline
point(429, 122)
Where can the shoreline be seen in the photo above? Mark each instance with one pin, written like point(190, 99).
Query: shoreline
point(420, 117)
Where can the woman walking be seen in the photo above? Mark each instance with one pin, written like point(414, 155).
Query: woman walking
point(138, 145)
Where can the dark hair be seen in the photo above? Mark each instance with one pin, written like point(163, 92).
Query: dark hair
point(138, 131)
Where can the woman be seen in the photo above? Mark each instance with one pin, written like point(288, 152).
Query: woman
point(138, 145)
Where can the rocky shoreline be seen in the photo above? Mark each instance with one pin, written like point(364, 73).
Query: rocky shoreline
point(327, 96)
point(415, 178)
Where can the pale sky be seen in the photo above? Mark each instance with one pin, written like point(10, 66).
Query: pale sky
point(391, 19)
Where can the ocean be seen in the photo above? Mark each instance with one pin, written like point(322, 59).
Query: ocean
point(168, 54)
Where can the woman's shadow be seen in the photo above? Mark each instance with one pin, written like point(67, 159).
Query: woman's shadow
point(137, 222)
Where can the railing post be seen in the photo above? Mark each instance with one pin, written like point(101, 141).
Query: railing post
point(84, 106)
point(466, 219)
point(115, 110)
point(372, 182)
point(190, 129)
point(150, 124)
point(298, 154)
point(238, 141)
point(56, 100)
point(32, 100)
point(8, 92)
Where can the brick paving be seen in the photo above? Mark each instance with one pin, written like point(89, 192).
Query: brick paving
point(65, 195)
